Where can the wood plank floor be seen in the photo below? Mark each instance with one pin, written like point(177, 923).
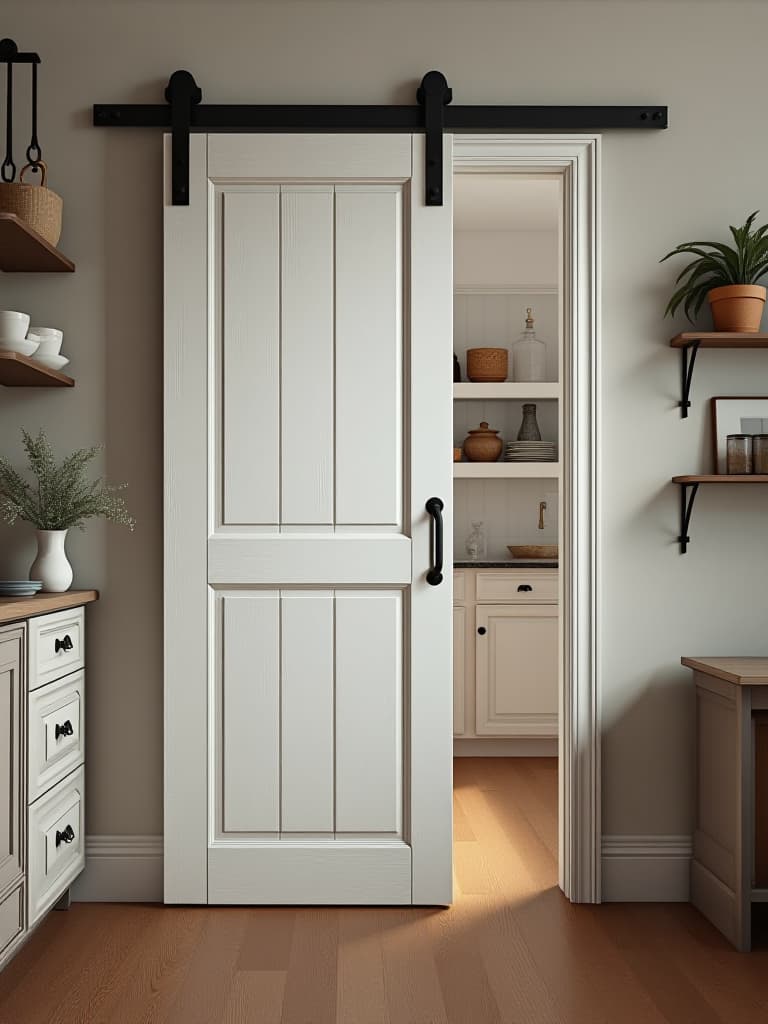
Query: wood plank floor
point(511, 950)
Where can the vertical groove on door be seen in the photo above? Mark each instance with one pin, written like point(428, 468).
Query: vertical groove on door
point(307, 711)
point(307, 358)
point(369, 684)
point(251, 356)
point(250, 653)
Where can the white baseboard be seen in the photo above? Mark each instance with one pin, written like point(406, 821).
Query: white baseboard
point(121, 869)
point(525, 746)
point(646, 869)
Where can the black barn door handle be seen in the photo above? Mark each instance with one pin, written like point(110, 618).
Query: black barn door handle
point(435, 508)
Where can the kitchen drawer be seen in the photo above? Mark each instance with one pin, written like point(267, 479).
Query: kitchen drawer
point(56, 732)
point(56, 843)
point(518, 586)
point(11, 917)
point(460, 586)
point(56, 646)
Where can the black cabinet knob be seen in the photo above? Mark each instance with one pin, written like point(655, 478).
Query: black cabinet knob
point(482, 630)
point(524, 588)
point(64, 730)
point(66, 836)
point(63, 645)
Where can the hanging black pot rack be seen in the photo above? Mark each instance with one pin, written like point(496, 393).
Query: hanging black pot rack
point(10, 55)
point(184, 112)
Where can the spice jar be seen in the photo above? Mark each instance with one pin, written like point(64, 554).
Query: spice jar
point(760, 453)
point(739, 454)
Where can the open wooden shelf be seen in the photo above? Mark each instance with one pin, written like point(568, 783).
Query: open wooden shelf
point(18, 371)
point(691, 483)
point(506, 470)
point(508, 390)
point(22, 250)
point(689, 344)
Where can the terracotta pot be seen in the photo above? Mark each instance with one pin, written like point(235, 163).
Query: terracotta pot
point(483, 444)
point(487, 365)
point(737, 308)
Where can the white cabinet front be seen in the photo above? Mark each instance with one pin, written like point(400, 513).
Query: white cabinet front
point(516, 670)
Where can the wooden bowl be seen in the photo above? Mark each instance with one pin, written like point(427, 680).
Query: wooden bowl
point(531, 551)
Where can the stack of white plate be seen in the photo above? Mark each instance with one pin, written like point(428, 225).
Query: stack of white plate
point(530, 451)
point(20, 588)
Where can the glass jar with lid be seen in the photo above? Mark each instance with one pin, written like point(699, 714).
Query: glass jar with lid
point(529, 354)
point(739, 454)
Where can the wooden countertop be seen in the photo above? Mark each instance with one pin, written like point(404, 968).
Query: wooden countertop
point(741, 671)
point(13, 608)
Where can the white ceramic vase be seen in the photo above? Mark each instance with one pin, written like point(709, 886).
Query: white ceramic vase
point(51, 565)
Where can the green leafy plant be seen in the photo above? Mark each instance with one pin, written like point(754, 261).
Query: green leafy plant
point(60, 496)
point(719, 264)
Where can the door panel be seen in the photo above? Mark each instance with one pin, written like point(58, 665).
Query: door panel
point(325, 664)
point(250, 224)
point(307, 726)
point(368, 712)
point(11, 789)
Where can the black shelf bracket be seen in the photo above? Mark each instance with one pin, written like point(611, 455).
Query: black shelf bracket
point(184, 112)
point(686, 508)
point(688, 355)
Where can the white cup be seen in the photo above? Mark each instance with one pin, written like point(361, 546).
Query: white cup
point(50, 339)
point(13, 326)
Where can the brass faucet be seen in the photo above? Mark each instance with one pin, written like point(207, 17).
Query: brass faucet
point(542, 510)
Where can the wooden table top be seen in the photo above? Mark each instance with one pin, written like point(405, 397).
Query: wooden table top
point(741, 671)
point(14, 608)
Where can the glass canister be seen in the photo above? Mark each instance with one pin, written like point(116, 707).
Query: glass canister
point(475, 543)
point(760, 454)
point(529, 355)
point(739, 454)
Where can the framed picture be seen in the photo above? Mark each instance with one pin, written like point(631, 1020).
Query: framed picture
point(736, 416)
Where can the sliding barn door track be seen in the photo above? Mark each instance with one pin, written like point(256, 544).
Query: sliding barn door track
point(184, 112)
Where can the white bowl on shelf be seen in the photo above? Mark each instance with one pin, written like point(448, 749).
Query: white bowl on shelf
point(52, 362)
point(13, 325)
point(50, 339)
point(24, 346)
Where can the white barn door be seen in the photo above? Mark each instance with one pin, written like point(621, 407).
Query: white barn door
point(308, 362)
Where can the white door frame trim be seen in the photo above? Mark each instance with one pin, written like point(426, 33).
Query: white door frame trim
point(577, 159)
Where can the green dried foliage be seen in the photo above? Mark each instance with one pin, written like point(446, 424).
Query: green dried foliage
point(719, 264)
point(60, 496)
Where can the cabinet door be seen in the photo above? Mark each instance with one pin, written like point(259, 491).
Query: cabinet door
point(10, 759)
point(517, 666)
point(459, 668)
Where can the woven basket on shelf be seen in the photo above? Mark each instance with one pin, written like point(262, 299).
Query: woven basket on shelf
point(36, 205)
point(486, 365)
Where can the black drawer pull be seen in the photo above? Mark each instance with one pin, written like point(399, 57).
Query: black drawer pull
point(66, 836)
point(63, 645)
point(64, 730)
point(481, 630)
point(524, 588)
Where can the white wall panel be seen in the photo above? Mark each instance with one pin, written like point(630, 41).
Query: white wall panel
point(369, 682)
point(307, 711)
point(368, 355)
point(250, 365)
point(250, 712)
point(307, 354)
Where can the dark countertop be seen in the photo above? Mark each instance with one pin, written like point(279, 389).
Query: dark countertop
point(517, 563)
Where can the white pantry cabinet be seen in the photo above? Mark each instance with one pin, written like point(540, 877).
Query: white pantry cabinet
point(42, 752)
point(505, 649)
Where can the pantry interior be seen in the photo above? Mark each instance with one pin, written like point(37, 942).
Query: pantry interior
point(508, 256)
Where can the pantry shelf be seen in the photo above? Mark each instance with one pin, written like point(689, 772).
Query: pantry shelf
point(507, 390)
point(18, 371)
point(23, 250)
point(506, 470)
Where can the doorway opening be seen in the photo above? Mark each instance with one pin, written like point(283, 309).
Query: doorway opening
point(524, 321)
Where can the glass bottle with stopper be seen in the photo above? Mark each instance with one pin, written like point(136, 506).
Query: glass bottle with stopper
point(529, 355)
point(475, 544)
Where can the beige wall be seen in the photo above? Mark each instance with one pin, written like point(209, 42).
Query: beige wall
point(704, 59)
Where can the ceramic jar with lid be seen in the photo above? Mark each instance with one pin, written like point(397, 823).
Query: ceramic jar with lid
point(483, 444)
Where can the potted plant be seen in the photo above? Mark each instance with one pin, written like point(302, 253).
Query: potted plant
point(727, 277)
point(60, 497)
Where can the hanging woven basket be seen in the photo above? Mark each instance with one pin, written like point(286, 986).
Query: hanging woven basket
point(36, 205)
